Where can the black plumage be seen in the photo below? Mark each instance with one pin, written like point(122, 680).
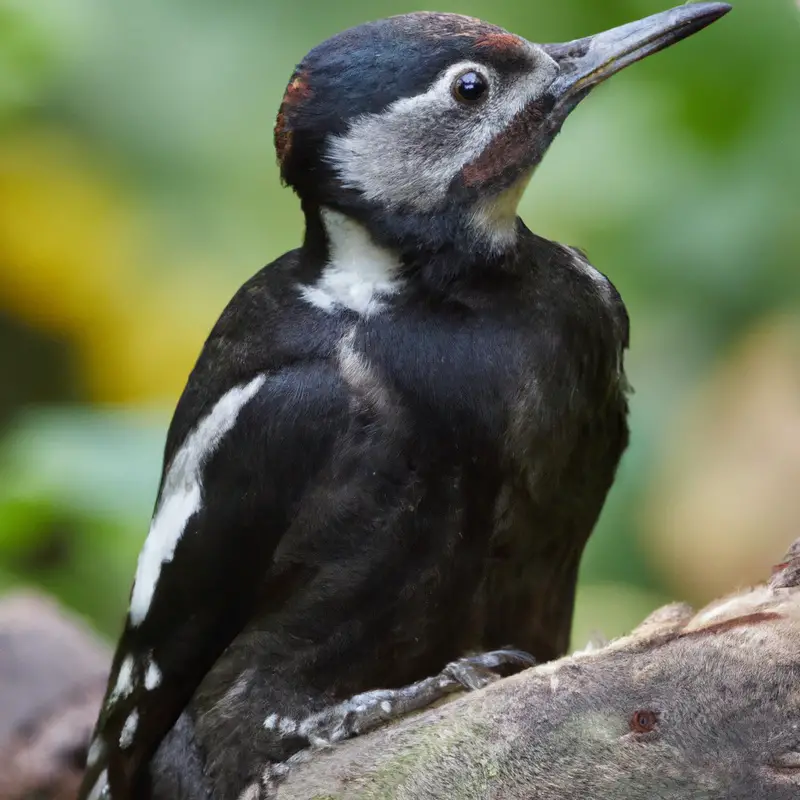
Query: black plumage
point(437, 508)
point(402, 480)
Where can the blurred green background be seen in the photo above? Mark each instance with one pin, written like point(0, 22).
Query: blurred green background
point(138, 189)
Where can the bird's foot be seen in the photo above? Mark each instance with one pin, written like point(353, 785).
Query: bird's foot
point(367, 711)
point(475, 672)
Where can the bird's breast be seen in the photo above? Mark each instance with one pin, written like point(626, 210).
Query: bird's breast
point(505, 385)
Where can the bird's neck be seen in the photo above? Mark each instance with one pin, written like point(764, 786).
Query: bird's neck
point(352, 269)
point(379, 246)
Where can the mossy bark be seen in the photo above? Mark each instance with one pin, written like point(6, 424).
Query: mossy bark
point(698, 706)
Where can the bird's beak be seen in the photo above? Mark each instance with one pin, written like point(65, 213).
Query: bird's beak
point(586, 62)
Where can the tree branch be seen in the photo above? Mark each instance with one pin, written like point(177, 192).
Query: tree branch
point(688, 706)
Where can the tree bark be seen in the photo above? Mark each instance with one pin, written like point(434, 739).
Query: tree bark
point(689, 705)
point(52, 677)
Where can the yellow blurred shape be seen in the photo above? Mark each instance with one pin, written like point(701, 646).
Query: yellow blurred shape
point(69, 251)
point(65, 240)
point(727, 503)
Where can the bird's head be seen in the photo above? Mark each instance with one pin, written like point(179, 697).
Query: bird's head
point(426, 127)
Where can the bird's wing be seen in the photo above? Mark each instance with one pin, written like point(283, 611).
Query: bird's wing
point(227, 497)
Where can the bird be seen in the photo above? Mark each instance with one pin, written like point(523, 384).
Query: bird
point(380, 477)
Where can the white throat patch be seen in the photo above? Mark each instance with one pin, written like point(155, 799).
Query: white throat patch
point(495, 217)
point(360, 275)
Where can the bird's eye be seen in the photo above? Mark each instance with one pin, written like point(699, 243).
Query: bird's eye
point(470, 87)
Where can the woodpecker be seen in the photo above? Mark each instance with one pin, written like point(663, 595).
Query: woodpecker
point(387, 460)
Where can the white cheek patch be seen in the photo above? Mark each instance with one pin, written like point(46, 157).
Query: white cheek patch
point(360, 275)
point(181, 496)
point(409, 154)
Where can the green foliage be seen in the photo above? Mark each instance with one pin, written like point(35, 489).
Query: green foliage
point(75, 490)
point(680, 179)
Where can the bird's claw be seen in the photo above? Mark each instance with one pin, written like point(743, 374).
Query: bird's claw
point(475, 672)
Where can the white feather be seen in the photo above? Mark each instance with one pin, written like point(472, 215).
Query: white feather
point(360, 274)
point(182, 494)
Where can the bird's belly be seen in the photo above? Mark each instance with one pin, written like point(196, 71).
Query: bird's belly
point(415, 613)
point(487, 551)
point(551, 496)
